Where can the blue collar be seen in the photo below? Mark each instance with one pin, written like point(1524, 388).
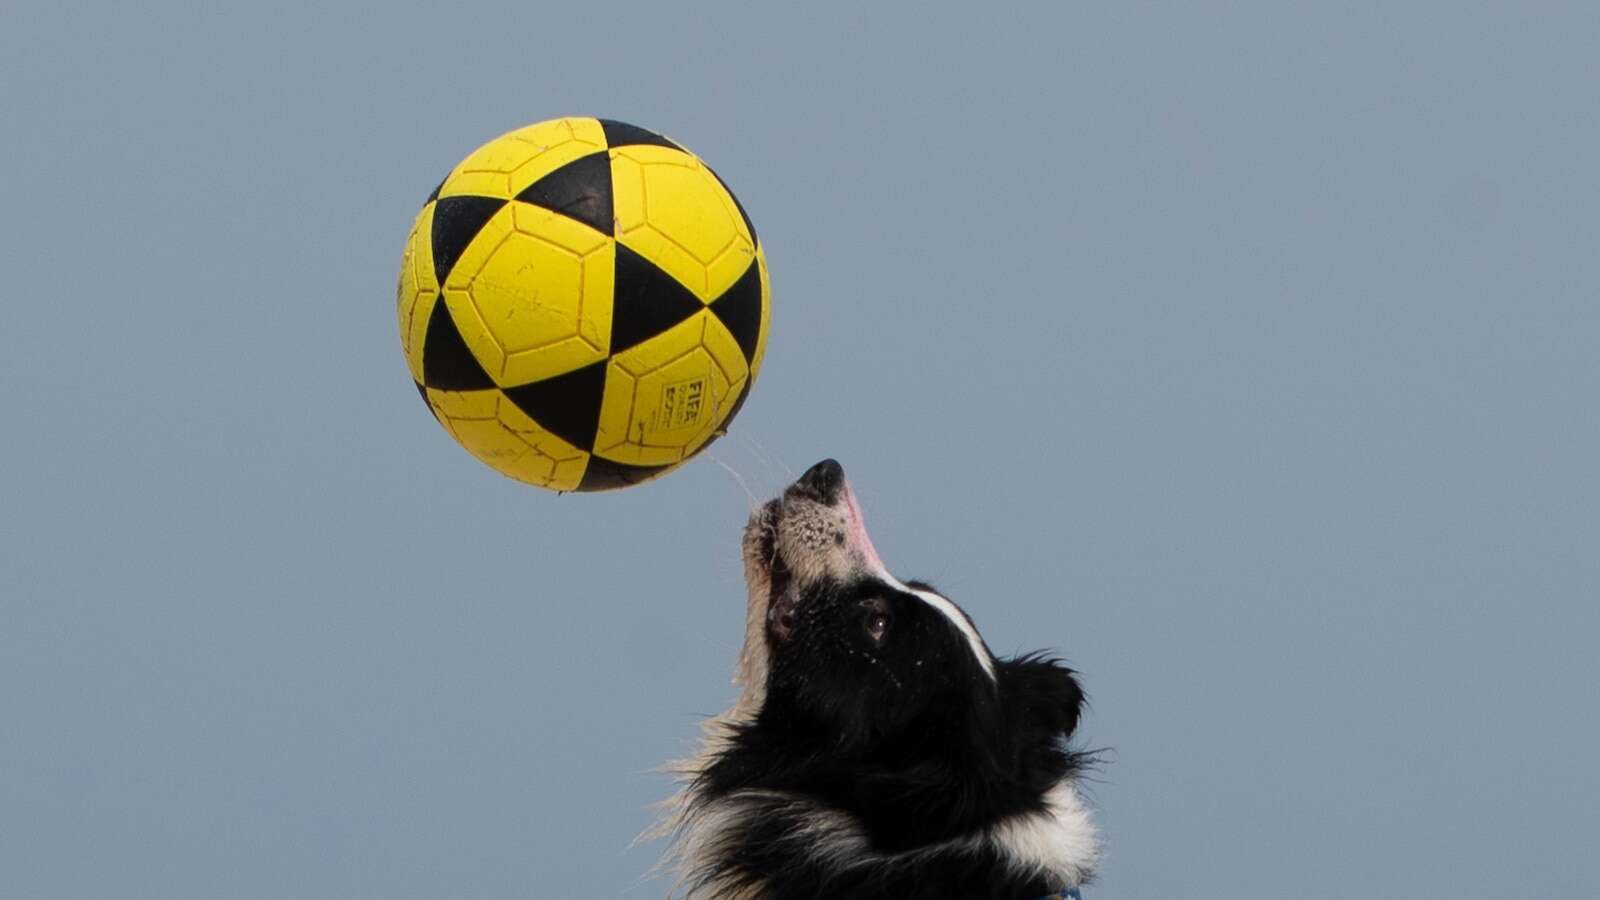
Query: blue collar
point(1068, 894)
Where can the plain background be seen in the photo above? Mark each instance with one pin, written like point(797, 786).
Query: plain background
point(1245, 353)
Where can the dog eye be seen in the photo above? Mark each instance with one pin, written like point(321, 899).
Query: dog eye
point(877, 625)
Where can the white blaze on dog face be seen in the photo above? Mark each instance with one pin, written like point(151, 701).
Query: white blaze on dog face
point(862, 544)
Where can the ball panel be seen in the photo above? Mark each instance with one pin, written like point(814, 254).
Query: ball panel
point(733, 370)
point(726, 270)
point(579, 190)
point(606, 475)
point(474, 255)
point(543, 293)
point(562, 231)
point(665, 397)
point(674, 212)
point(621, 134)
point(506, 165)
point(479, 343)
point(447, 363)
point(456, 223)
point(463, 404)
point(417, 290)
point(495, 431)
point(567, 404)
point(743, 388)
point(646, 301)
point(739, 310)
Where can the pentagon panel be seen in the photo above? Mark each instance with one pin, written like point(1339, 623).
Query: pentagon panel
point(543, 291)
point(668, 396)
point(671, 210)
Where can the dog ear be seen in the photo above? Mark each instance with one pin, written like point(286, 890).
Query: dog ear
point(1044, 692)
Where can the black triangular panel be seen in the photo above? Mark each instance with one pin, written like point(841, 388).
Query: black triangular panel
point(435, 195)
point(447, 361)
point(568, 405)
point(456, 221)
point(739, 308)
point(621, 134)
point(580, 190)
point(645, 301)
point(748, 225)
point(605, 475)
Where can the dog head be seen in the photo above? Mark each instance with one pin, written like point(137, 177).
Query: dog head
point(878, 745)
point(838, 645)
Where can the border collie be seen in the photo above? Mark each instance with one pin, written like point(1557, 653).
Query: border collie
point(878, 750)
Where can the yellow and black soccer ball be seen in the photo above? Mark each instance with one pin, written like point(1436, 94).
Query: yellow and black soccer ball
point(583, 304)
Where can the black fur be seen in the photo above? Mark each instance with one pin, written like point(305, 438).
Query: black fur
point(877, 708)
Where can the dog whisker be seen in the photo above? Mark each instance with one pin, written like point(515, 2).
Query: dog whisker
point(738, 479)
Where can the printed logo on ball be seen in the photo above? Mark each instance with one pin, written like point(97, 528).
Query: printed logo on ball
point(681, 404)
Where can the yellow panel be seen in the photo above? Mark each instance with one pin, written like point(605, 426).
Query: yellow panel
point(464, 404)
point(495, 431)
point(673, 211)
point(543, 293)
point(627, 192)
point(506, 165)
point(665, 397)
point(726, 268)
point(417, 290)
point(472, 324)
point(729, 360)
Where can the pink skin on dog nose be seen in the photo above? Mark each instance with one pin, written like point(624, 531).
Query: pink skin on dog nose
point(858, 532)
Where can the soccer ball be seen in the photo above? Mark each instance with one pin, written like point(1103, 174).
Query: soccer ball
point(583, 304)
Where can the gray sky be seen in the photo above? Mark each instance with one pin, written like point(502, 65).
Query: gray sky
point(1244, 353)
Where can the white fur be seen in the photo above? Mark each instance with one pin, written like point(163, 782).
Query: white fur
point(1058, 844)
point(874, 564)
point(951, 612)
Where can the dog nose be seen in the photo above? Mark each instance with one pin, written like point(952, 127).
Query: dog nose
point(823, 480)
